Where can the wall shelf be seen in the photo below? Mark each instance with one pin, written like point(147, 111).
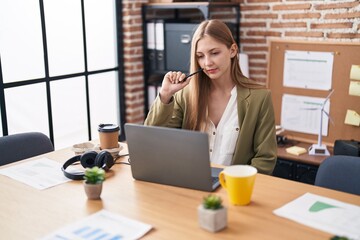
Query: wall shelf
point(153, 75)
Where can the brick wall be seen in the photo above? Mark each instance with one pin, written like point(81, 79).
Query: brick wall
point(133, 60)
point(261, 20)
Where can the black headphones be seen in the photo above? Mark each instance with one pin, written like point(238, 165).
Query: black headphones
point(90, 159)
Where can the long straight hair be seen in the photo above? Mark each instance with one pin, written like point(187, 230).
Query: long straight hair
point(199, 87)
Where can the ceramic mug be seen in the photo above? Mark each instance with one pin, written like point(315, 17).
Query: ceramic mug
point(238, 181)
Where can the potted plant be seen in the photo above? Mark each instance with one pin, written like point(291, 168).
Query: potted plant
point(93, 180)
point(212, 214)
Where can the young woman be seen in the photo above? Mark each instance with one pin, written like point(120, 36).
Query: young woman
point(236, 112)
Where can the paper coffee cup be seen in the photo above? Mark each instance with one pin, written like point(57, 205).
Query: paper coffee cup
point(108, 134)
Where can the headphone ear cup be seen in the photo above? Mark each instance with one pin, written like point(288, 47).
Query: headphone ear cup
point(73, 176)
point(87, 160)
point(104, 160)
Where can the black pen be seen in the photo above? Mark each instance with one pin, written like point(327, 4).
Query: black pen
point(191, 74)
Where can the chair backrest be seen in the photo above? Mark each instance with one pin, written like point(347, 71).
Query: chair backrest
point(340, 173)
point(23, 145)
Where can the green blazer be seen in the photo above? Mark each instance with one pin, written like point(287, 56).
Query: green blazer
point(256, 144)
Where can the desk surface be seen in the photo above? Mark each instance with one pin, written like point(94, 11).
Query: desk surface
point(303, 158)
point(28, 213)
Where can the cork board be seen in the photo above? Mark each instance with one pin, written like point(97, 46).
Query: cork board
point(345, 55)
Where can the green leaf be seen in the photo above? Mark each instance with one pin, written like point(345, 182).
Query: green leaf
point(94, 175)
point(212, 202)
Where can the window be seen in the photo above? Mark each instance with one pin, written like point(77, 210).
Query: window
point(59, 68)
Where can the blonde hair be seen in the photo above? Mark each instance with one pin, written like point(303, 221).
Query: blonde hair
point(198, 101)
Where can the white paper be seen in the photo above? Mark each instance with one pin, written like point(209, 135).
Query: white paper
point(303, 114)
point(325, 214)
point(312, 70)
point(102, 225)
point(159, 38)
point(41, 173)
point(150, 28)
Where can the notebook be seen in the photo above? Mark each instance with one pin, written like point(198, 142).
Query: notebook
point(171, 156)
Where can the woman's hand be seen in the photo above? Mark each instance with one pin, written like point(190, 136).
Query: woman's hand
point(172, 82)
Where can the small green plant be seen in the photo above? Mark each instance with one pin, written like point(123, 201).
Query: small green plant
point(212, 202)
point(94, 175)
point(339, 238)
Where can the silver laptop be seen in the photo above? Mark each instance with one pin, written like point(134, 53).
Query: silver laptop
point(171, 156)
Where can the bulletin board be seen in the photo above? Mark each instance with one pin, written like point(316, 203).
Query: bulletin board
point(345, 55)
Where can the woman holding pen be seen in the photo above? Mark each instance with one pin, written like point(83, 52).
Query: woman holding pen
point(236, 112)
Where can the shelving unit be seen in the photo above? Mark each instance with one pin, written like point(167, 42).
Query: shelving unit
point(153, 77)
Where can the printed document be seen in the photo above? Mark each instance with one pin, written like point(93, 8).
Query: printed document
point(325, 214)
point(102, 225)
point(303, 114)
point(40, 173)
point(312, 70)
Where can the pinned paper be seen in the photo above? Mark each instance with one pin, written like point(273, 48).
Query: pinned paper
point(355, 72)
point(352, 118)
point(354, 88)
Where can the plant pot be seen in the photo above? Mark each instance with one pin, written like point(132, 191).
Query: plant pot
point(212, 220)
point(93, 191)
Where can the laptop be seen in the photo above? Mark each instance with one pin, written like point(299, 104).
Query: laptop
point(171, 156)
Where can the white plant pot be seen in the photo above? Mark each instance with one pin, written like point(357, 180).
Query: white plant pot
point(212, 220)
point(93, 191)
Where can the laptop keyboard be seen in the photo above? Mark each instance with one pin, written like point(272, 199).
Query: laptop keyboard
point(215, 180)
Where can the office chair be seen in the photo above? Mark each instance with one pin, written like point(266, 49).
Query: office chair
point(23, 145)
point(341, 173)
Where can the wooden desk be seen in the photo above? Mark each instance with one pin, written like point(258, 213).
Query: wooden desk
point(303, 158)
point(27, 213)
point(301, 168)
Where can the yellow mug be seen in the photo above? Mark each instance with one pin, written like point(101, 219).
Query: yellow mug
point(238, 181)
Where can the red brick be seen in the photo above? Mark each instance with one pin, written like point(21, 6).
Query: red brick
point(133, 51)
point(288, 25)
point(301, 15)
point(257, 56)
point(133, 82)
point(331, 25)
point(258, 72)
point(134, 105)
point(245, 8)
point(133, 59)
point(261, 16)
point(131, 28)
point(257, 64)
point(252, 24)
point(342, 15)
point(264, 33)
point(344, 35)
point(132, 44)
point(337, 5)
point(132, 4)
point(283, 7)
point(304, 34)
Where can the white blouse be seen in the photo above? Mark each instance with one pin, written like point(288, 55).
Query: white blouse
point(222, 140)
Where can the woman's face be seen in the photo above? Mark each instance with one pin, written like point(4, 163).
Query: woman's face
point(214, 57)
